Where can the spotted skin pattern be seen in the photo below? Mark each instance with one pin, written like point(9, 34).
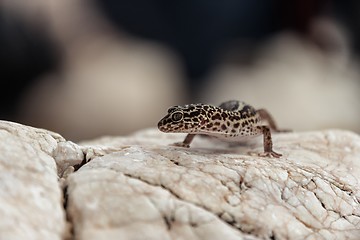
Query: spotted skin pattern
point(231, 121)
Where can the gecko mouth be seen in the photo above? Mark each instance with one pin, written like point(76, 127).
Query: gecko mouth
point(171, 129)
point(161, 127)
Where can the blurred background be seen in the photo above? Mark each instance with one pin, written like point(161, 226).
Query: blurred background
point(110, 67)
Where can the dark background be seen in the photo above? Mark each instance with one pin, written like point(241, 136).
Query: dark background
point(196, 30)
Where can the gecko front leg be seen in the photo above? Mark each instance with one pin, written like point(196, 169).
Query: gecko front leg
point(186, 143)
point(267, 142)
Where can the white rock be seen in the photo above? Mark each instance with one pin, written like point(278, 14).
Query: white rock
point(138, 187)
point(30, 196)
point(305, 194)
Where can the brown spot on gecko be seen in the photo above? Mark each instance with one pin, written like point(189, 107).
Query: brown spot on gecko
point(195, 113)
point(224, 116)
point(216, 117)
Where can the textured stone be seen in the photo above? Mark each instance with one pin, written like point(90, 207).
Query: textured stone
point(139, 187)
point(30, 196)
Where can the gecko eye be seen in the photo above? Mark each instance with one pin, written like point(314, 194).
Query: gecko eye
point(177, 116)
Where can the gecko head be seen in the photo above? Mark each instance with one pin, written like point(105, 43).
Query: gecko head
point(185, 119)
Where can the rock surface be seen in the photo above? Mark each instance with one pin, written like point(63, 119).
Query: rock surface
point(30, 196)
point(139, 187)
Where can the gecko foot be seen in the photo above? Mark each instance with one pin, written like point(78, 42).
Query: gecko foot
point(270, 154)
point(180, 144)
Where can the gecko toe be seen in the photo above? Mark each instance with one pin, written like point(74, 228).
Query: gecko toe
point(270, 154)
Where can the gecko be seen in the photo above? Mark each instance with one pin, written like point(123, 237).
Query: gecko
point(231, 121)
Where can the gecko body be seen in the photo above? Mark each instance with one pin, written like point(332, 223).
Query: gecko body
point(232, 121)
